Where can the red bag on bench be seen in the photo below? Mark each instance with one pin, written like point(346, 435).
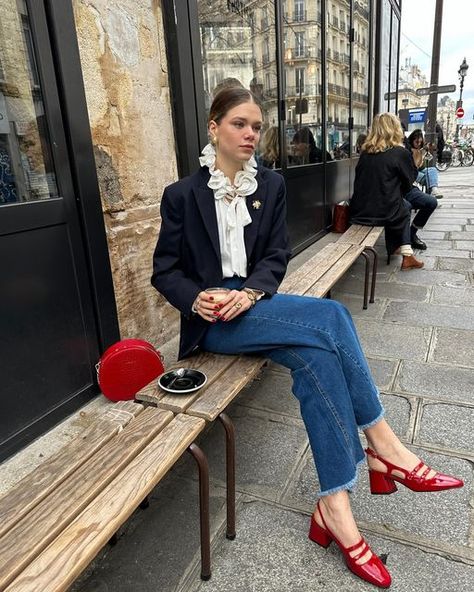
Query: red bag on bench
point(126, 367)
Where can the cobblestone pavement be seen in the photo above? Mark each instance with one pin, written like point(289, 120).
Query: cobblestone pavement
point(419, 339)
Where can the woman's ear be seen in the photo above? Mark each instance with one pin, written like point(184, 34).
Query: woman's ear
point(212, 129)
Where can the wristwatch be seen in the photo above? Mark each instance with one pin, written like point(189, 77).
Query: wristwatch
point(254, 295)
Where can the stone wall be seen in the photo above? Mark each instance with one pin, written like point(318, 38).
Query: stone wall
point(124, 67)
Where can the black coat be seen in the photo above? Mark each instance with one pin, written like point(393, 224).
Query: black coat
point(381, 181)
point(187, 256)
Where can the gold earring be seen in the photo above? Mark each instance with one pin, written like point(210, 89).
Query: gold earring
point(214, 141)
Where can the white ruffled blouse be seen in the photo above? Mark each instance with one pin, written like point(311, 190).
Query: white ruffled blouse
point(231, 210)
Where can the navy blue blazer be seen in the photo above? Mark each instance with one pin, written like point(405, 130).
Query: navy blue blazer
point(187, 256)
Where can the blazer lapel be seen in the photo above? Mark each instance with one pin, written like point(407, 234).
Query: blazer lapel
point(205, 201)
point(255, 204)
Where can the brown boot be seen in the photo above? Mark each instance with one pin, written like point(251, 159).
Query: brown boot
point(410, 262)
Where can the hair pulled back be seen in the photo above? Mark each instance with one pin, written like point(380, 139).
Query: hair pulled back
point(228, 98)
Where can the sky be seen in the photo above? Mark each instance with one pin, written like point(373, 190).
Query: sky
point(457, 42)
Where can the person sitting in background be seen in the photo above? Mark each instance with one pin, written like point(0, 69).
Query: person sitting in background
point(270, 153)
point(416, 199)
point(384, 174)
point(427, 175)
point(305, 150)
point(361, 138)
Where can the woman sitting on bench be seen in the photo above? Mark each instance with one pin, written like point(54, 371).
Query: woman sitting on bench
point(226, 226)
point(384, 174)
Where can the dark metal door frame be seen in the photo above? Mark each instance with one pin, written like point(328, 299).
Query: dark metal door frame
point(76, 125)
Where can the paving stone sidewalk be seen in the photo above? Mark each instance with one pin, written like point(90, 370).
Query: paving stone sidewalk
point(419, 339)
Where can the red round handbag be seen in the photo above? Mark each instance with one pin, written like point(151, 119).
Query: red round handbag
point(126, 367)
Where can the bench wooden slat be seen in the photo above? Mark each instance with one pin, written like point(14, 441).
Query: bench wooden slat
point(213, 368)
point(327, 281)
point(35, 486)
point(354, 234)
point(361, 235)
point(31, 535)
point(301, 280)
point(70, 553)
point(373, 236)
point(220, 394)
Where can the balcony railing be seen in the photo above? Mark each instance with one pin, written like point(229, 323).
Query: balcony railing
point(336, 89)
point(306, 90)
point(361, 10)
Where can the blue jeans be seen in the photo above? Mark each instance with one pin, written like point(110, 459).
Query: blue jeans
point(316, 339)
point(424, 203)
point(428, 177)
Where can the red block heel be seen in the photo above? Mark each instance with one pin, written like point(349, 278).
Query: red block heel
point(318, 535)
point(381, 484)
point(385, 482)
point(372, 571)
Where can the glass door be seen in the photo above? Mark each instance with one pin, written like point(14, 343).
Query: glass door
point(48, 339)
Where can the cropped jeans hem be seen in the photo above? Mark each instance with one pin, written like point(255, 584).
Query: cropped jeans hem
point(374, 422)
point(349, 486)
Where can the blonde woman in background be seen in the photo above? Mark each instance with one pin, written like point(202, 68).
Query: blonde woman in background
point(384, 174)
point(270, 150)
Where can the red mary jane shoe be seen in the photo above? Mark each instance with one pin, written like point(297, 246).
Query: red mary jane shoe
point(372, 571)
point(384, 483)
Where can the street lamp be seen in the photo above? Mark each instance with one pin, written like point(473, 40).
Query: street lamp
point(463, 68)
point(462, 74)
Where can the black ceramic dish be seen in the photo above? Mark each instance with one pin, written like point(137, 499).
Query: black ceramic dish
point(182, 381)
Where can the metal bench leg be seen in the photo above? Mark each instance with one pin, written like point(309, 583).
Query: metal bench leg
point(374, 273)
point(230, 473)
point(366, 278)
point(203, 468)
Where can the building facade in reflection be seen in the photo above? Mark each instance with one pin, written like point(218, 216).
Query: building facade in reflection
point(240, 41)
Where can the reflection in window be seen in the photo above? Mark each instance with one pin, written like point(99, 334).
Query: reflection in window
point(360, 68)
point(394, 63)
point(238, 46)
point(385, 55)
point(338, 82)
point(26, 170)
point(302, 70)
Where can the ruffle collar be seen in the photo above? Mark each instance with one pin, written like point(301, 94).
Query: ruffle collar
point(245, 182)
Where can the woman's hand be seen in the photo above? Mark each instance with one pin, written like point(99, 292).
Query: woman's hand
point(236, 302)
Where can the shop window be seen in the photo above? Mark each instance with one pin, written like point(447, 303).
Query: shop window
point(26, 169)
point(248, 59)
point(302, 65)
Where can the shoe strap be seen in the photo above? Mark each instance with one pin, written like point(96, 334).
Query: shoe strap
point(423, 475)
point(390, 467)
point(362, 552)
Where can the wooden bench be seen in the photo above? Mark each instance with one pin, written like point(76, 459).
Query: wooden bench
point(365, 236)
point(56, 519)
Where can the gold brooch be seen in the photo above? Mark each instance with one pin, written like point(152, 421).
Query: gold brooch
point(256, 204)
